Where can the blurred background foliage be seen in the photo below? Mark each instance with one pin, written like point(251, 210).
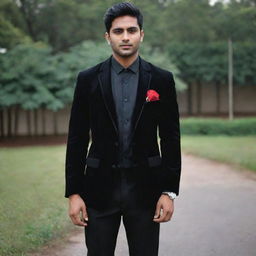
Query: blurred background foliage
point(63, 23)
point(44, 43)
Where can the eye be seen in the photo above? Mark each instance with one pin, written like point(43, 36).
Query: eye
point(132, 30)
point(118, 31)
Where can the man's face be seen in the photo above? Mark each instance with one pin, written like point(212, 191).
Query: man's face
point(125, 36)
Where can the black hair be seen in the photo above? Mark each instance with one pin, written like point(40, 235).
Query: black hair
point(122, 9)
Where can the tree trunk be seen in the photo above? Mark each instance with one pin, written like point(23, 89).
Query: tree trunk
point(16, 120)
point(28, 122)
point(230, 81)
point(189, 99)
point(43, 122)
point(9, 122)
point(35, 114)
point(29, 17)
point(199, 98)
point(1, 123)
point(55, 123)
point(217, 98)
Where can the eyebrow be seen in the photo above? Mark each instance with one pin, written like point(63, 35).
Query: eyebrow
point(118, 28)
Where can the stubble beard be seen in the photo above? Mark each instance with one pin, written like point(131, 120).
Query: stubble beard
point(125, 54)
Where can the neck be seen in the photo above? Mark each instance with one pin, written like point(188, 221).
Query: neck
point(126, 62)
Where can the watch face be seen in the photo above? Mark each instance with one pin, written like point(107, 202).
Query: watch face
point(172, 195)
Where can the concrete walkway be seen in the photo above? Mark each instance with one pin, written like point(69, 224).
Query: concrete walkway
point(215, 214)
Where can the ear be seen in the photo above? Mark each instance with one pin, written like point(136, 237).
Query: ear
point(107, 37)
point(141, 35)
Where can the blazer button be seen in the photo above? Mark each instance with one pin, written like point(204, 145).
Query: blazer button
point(114, 166)
point(116, 143)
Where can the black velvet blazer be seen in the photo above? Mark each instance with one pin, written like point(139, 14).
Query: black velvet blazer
point(93, 119)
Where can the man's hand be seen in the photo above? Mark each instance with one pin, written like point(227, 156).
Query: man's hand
point(164, 209)
point(76, 209)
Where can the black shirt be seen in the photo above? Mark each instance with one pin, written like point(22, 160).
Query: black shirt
point(124, 82)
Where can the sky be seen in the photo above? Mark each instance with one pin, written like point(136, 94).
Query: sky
point(214, 1)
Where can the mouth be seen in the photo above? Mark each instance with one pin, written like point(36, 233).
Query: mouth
point(126, 45)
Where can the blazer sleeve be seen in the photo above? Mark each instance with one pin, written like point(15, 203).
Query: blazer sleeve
point(78, 139)
point(169, 133)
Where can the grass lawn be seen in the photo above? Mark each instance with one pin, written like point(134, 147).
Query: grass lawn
point(238, 150)
point(33, 209)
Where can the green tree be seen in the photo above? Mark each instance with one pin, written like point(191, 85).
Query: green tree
point(237, 21)
point(161, 59)
point(27, 81)
point(10, 36)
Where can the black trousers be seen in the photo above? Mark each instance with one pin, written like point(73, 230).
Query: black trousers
point(141, 231)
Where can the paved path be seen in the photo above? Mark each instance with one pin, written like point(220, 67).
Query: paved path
point(215, 214)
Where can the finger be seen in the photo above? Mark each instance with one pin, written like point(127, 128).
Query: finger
point(76, 220)
point(168, 216)
point(162, 217)
point(84, 213)
point(79, 222)
point(170, 213)
point(157, 211)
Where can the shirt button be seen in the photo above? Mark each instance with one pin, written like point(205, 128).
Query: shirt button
point(125, 100)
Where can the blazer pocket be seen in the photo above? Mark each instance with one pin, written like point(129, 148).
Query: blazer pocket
point(154, 161)
point(92, 162)
point(153, 103)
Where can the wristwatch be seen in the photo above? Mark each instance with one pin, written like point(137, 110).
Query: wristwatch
point(170, 194)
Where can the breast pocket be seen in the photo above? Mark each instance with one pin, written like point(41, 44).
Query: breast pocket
point(152, 110)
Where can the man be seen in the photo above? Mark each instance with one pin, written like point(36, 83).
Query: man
point(119, 104)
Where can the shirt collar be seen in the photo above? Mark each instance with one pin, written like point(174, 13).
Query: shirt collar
point(134, 67)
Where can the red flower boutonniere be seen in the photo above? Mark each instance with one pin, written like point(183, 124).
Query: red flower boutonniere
point(152, 95)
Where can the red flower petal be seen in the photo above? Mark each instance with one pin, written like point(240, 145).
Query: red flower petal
point(152, 95)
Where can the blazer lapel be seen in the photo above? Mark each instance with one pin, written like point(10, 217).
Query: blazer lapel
point(143, 86)
point(104, 78)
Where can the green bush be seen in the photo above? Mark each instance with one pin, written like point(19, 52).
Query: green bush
point(214, 126)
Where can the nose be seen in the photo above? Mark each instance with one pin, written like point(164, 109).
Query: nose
point(125, 36)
